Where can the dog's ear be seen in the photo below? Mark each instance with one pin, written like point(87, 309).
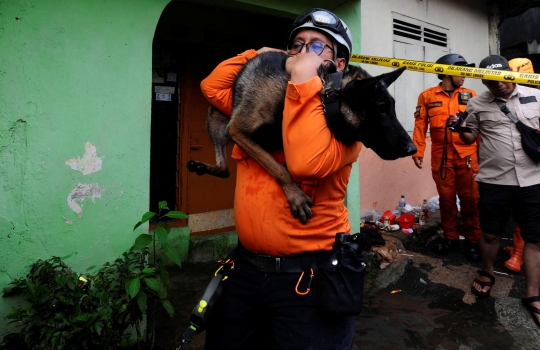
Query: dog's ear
point(327, 68)
point(389, 78)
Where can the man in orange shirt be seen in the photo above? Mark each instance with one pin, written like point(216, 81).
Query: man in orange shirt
point(260, 307)
point(454, 164)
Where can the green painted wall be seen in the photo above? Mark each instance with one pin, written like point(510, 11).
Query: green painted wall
point(73, 72)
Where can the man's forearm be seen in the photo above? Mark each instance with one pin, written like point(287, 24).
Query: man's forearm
point(467, 137)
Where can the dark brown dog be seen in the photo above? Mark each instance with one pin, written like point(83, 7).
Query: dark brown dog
point(367, 115)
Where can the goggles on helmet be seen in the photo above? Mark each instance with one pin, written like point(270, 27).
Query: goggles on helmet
point(321, 19)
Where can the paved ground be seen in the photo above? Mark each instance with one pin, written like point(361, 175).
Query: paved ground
point(433, 310)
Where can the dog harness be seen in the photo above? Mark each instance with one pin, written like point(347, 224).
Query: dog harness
point(331, 96)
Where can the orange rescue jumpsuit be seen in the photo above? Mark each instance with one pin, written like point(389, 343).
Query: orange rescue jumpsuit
point(319, 163)
point(433, 109)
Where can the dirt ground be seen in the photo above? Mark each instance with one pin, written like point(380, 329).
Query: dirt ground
point(420, 301)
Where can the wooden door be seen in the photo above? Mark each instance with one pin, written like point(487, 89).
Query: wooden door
point(208, 200)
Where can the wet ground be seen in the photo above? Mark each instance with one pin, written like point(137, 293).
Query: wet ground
point(427, 316)
point(421, 301)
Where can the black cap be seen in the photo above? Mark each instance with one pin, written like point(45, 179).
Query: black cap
point(494, 62)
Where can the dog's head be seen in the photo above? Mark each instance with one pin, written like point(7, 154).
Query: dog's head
point(370, 115)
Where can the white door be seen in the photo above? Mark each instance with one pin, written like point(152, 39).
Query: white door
point(411, 83)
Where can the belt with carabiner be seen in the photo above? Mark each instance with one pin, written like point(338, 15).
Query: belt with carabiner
point(304, 264)
point(289, 264)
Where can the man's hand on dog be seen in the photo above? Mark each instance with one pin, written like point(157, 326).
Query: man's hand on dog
point(303, 67)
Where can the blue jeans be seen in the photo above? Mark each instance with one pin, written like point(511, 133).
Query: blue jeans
point(262, 311)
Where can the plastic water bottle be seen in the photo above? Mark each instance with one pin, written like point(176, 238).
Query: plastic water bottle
point(402, 203)
point(425, 210)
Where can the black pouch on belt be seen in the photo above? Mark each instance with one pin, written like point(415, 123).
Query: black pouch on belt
point(340, 280)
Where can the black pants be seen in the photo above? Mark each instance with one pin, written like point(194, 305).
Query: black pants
point(262, 311)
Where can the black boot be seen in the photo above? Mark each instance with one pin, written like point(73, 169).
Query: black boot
point(472, 252)
point(446, 246)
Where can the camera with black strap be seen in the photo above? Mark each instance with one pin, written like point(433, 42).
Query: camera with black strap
point(340, 280)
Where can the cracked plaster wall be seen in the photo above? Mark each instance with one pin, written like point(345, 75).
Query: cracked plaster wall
point(73, 126)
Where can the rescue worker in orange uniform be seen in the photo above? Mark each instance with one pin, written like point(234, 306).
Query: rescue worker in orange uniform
point(454, 164)
point(259, 307)
point(514, 263)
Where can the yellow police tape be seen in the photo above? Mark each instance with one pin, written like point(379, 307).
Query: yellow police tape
point(436, 68)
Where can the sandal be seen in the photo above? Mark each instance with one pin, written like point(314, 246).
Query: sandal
point(532, 309)
point(483, 284)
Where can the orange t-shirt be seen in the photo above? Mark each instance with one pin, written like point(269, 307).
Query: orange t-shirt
point(433, 109)
point(320, 165)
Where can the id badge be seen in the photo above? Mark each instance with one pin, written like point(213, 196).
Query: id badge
point(464, 97)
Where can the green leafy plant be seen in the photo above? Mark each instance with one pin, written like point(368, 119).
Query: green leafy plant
point(65, 312)
point(156, 278)
point(98, 311)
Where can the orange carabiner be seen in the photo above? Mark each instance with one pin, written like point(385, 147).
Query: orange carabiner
point(308, 286)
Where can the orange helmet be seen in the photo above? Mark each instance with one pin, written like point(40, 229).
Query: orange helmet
point(522, 65)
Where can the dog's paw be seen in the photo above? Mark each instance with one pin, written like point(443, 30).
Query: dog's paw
point(301, 207)
point(196, 167)
point(192, 166)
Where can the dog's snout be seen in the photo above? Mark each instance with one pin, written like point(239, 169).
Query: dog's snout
point(411, 149)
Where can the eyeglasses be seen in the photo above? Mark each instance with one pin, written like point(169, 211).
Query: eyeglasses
point(317, 47)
